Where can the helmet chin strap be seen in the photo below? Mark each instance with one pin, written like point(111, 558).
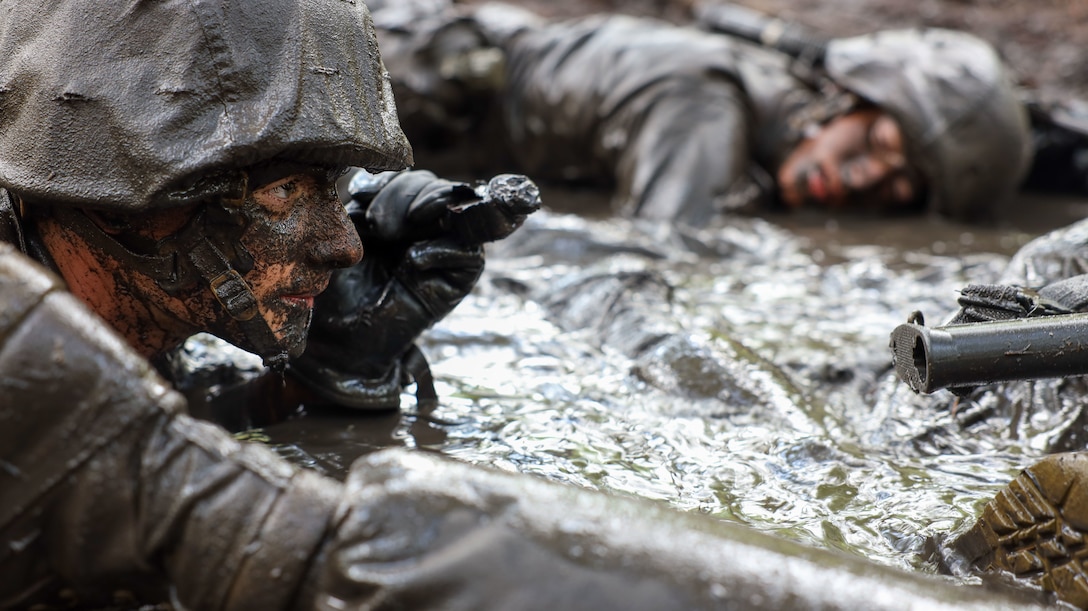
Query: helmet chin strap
point(236, 297)
point(186, 257)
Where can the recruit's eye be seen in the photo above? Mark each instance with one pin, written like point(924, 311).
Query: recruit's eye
point(281, 196)
point(283, 190)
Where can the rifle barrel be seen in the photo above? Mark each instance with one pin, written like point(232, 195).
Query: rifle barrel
point(791, 38)
point(931, 358)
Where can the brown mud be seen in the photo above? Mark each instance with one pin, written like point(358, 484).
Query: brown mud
point(1044, 41)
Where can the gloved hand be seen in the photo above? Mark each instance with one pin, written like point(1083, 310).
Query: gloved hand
point(422, 241)
point(989, 302)
point(993, 302)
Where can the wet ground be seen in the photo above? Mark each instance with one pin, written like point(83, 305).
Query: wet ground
point(764, 407)
point(770, 404)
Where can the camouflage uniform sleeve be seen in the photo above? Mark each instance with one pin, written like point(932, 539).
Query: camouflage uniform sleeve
point(687, 147)
point(633, 103)
point(106, 486)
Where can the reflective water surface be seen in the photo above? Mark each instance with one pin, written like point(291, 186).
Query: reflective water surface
point(752, 386)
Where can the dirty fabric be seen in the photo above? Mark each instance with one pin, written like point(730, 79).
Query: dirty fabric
point(112, 495)
point(108, 488)
point(685, 123)
point(139, 111)
point(680, 121)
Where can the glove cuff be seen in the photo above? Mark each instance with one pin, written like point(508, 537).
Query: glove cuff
point(350, 389)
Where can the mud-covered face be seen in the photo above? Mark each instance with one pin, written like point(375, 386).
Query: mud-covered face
point(295, 230)
point(297, 233)
point(856, 160)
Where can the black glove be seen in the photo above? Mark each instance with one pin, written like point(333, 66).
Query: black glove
point(988, 302)
point(422, 253)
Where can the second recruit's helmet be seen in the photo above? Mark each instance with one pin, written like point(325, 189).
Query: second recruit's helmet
point(964, 124)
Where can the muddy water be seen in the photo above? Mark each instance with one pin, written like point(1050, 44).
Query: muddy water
point(768, 402)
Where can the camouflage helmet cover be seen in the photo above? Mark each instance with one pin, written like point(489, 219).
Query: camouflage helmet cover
point(128, 104)
point(965, 126)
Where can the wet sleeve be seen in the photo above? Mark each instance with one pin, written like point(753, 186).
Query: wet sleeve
point(107, 487)
point(420, 531)
point(686, 146)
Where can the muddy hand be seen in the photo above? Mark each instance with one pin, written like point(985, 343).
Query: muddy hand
point(418, 264)
point(989, 302)
point(504, 204)
point(418, 205)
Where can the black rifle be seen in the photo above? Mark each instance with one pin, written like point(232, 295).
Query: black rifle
point(962, 356)
point(791, 38)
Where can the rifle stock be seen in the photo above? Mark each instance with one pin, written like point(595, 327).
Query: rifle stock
point(973, 354)
point(791, 38)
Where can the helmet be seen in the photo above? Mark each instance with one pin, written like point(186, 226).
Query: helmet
point(964, 124)
point(125, 106)
point(131, 106)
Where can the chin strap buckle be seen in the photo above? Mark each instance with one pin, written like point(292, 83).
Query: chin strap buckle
point(233, 293)
point(237, 298)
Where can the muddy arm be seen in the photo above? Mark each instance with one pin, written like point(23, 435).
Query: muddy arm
point(687, 155)
point(426, 532)
point(106, 487)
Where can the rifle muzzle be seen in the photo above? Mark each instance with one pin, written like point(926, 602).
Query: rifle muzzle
point(973, 354)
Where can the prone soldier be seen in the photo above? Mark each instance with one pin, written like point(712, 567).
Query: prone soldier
point(173, 164)
point(686, 124)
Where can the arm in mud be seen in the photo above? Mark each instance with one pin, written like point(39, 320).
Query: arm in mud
point(1060, 137)
point(687, 154)
point(109, 492)
point(423, 240)
point(1001, 333)
point(108, 487)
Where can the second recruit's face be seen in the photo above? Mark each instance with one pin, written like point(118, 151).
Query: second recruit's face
point(857, 160)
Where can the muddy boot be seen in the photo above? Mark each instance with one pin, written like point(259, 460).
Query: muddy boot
point(1035, 529)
